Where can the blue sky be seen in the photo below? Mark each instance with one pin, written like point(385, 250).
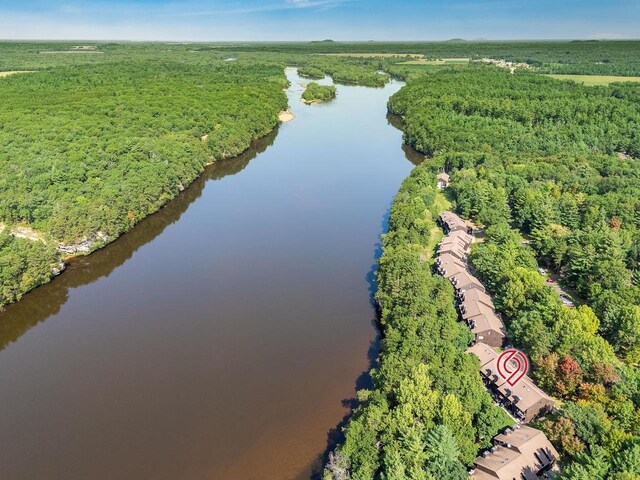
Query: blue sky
point(201, 20)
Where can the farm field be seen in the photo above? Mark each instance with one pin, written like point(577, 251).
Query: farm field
point(443, 61)
point(593, 80)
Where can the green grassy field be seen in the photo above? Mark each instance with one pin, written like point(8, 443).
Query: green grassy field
point(592, 80)
point(373, 55)
point(443, 61)
point(440, 204)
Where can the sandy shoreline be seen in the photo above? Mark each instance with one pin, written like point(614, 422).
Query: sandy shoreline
point(286, 116)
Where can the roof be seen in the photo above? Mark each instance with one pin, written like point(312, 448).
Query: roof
point(484, 352)
point(443, 176)
point(453, 249)
point(519, 452)
point(470, 308)
point(480, 475)
point(461, 235)
point(505, 464)
point(478, 296)
point(524, 394)
point(446, 257)
point(465, 280)
point(531, 443)
point(455, 241)
point(527, 392)
point(450, 266)
point(488, 322)
point(453, 221)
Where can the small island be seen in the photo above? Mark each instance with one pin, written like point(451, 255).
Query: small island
point(315, 93)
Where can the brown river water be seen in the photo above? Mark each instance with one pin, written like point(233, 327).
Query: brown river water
point(223, 337)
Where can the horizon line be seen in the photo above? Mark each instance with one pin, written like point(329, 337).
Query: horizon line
point(450, 40)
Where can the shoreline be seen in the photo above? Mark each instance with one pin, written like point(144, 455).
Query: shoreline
point(98, 240)
point(65, 259)
point(286, 116)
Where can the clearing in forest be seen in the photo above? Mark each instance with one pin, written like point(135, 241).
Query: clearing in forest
point(592, 80)
point(442, 61)
point(373, 55)
point(6, 74)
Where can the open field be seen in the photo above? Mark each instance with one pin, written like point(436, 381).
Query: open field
point(442, 61)
point(593, 80)
point(71, 51)
point(440, 204)
point(6, 74)
point(373, 55)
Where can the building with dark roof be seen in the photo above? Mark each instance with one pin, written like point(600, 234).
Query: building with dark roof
point(524, 400)
point(487, 328)
point(520, 453)
point(451, 222)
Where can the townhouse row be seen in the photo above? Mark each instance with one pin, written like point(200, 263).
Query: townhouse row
point(522, 452)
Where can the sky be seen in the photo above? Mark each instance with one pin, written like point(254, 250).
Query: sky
point(274, 20)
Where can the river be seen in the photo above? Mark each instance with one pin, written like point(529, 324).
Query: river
point(223, 337)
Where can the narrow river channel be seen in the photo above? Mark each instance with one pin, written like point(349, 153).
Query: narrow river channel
point(221, 337)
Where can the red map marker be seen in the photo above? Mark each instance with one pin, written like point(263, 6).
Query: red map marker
point(512, 365)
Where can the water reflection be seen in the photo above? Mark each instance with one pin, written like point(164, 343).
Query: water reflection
point(47, 300)
point(412, 155)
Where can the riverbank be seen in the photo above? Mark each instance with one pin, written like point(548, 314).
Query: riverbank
point(108, 201)
point(67, 252)
point(423, 363)
point(286, 116)
point(573, 351)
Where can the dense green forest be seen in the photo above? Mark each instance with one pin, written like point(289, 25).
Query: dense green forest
point(550, 169)
point(311, 72)
point(24, 264)
point(318, 93)
point(419, 420)
point(89, 150)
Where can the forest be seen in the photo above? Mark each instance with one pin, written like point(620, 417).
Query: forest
point(311, 72)
point(549, 169)
point(89, 150)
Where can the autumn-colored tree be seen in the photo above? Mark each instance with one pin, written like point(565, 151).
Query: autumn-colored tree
point(616, 223)
point(562, 433)
point(592, 392)
point(569, 376)
point(604, 374)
